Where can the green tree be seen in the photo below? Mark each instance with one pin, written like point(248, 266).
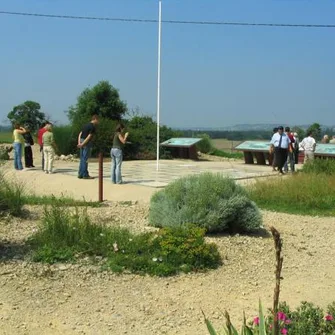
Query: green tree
point(27, 113)
point(102, 99)
point(142, 137)
point(315, 128)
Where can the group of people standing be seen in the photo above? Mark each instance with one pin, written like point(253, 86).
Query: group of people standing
point(285, 148)
point(23, 141)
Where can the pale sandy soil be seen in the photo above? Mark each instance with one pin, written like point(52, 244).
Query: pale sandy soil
point(80, 299)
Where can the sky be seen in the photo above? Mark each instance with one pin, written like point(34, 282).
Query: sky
point(211, 76)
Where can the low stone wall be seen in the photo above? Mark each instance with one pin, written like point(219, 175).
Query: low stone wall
point(68, 158)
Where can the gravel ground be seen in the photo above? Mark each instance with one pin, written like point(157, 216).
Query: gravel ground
point(82, 299)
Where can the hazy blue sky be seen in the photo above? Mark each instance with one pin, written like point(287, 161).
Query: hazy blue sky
point(211, 75)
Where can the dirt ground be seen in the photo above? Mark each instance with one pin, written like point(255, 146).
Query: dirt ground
point(82, 299)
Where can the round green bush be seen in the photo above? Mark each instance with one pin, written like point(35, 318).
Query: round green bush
point(210, 201)
point(205, 145)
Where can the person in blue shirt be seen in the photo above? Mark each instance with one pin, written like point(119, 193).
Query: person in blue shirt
point(281, 143)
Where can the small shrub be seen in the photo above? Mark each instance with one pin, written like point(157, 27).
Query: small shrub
point(320, 166)
point(210, 201)
point(187, 247)
point(65, 236)
point(11, 197)
point(205, 145)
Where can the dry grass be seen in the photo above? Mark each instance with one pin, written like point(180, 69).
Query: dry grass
point(225, 145)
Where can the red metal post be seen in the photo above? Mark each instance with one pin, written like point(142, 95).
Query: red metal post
point(101, 176)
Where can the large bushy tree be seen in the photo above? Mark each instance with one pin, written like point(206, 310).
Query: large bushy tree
point(102, 99)
point(27, 113)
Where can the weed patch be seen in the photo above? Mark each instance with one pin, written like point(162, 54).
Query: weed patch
point(11, 197)
point(65, 236)
point(63, 201)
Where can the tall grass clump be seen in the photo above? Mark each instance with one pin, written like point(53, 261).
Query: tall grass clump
point(11, 197)
point(66, 236)
point(320, 166)
point(306, 194)
point(209, 201)
point(66, 201)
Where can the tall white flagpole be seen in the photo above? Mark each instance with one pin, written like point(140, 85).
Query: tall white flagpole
point(159, 77)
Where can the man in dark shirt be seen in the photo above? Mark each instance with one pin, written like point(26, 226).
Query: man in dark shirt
point(85, 145)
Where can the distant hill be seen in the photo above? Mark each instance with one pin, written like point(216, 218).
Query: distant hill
point(248, 127)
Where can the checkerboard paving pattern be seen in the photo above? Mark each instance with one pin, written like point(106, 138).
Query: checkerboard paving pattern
point(145, 172)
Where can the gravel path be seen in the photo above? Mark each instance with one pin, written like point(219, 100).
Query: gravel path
point(81, 299)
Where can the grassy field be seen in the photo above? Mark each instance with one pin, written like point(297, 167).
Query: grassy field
point(225, 145)
point(6, 137)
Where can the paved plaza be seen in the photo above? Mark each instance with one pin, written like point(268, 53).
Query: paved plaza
point(145, 173)
point(141, 178)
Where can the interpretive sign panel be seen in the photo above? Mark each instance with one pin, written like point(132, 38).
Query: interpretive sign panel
point(182, 147)
point(254, 146)
point(260, 150)
point(181, 142)
point(325, 149)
